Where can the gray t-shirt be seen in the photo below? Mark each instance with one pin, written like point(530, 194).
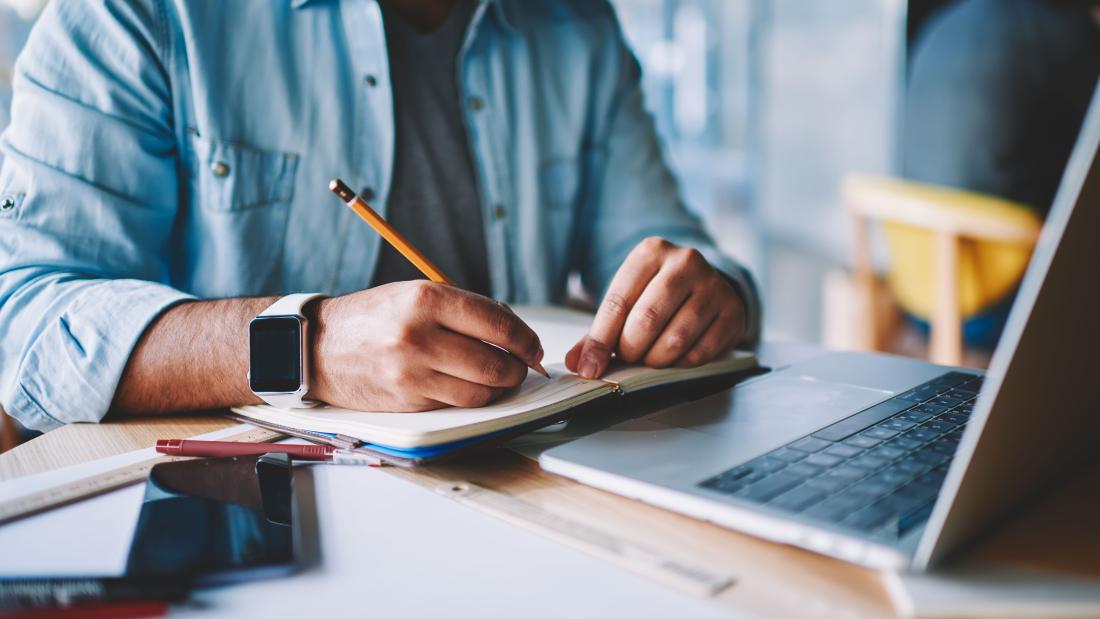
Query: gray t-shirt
point(434, 199)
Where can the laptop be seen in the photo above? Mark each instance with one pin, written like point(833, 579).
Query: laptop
point(889, 462)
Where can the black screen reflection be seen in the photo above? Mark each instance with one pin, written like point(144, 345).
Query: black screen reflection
point(216, 520)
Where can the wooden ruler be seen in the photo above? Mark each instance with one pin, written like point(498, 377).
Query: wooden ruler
point(686, 576)
point(106, 481)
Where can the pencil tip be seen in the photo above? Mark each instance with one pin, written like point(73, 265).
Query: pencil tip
point(541, 370)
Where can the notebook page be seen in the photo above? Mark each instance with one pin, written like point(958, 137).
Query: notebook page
point(535, 398)
point(558, 328)
point(633, 378)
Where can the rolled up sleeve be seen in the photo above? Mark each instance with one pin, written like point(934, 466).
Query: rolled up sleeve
point(89, 194)
point(638, 195)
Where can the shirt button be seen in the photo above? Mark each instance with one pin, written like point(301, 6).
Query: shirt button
point(367, 194)
point(499, 212)
point(371, 81)
point(8, 204)
point(477, 103)
point(220, 169)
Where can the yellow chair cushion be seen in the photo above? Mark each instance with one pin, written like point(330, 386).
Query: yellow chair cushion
point(987, 271)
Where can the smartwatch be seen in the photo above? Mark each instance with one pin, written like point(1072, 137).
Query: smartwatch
point(278, 353)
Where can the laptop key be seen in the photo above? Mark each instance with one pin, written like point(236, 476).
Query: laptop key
point(880, 433)
point(922, 435)
point(945, 447)
point(803, 470)
point(799, 498)
point(767, 465)
point(829, 484)
point(847, 472)
point(871, 490)
point(841, 450)
point(891, 478)
point(769, 487)
point(870, 517)
point(823, 460)
point(938, 426)
point(861, 420)
point(887, 452)
point(835, 508)
point(868, 461)
point(929, 408)
point(728, 486)
point(911, 466)
point(954, 418)
point(809, 444)
point(788, 455)
point(918, 491)
point(914, 517)
point(935, 476)
point(929, 456)
point(903, 442)
point(899, 424)
point(862, 441)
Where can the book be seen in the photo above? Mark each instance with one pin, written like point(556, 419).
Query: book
point(536, 398)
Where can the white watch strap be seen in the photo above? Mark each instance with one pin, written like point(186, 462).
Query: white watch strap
point(291, 304)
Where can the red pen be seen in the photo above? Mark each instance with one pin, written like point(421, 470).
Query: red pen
point(223, 449)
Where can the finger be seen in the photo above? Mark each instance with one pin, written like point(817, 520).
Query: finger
point(573, 357)
point(473, 360)
point(719, 337)
point(683, 330)
point(484, 319)
point(452, 391)
point(658, 303)
point(625, 288)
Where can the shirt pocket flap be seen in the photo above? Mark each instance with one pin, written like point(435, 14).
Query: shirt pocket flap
point(227, 176)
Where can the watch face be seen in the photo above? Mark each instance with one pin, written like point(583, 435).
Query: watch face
point(275, 363)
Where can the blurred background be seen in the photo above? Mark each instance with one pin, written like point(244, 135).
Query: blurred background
point(825, 143)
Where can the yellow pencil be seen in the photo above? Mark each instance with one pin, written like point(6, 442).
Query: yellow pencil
point(398, 241)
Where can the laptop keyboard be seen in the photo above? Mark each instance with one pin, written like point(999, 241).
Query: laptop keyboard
point(877, 472)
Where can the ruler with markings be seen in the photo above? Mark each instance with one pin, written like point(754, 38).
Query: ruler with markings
point(105, 481)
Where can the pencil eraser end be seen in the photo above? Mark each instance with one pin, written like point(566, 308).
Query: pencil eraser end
point(338, 187)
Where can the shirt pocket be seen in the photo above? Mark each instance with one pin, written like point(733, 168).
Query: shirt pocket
point(226, 176)
point(237, 217)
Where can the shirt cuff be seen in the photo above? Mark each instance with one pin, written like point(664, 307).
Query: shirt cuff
point(72, 370)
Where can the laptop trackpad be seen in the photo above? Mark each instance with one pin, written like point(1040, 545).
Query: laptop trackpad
point(769, 412)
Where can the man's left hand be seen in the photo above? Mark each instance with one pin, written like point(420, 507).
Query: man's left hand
point(666, 306)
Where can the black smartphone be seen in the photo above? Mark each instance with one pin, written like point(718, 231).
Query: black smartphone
point(217, 520)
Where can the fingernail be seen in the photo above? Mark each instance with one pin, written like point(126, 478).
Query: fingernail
point(589, 368)
point(539, 354)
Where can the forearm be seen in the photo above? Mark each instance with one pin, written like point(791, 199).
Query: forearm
point(193, 357)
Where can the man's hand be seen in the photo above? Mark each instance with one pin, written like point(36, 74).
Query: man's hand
point(411, 346)
point(666, 306)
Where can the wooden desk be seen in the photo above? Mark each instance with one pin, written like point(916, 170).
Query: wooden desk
point(771, 579)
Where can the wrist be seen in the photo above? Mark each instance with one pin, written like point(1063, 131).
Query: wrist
point(318, 315)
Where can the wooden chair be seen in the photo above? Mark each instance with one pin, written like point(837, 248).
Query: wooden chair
point(952, 254)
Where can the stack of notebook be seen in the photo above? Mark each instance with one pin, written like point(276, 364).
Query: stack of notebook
point(414, 438)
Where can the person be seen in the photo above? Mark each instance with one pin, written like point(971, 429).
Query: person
point(165, 181)
point(997, 93)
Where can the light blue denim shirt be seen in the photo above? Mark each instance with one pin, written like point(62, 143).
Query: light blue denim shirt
point(163, 150)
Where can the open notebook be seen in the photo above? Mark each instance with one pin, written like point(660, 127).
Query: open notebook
point(537, 398)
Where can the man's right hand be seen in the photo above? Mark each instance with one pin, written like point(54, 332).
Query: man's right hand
point(416, 345)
